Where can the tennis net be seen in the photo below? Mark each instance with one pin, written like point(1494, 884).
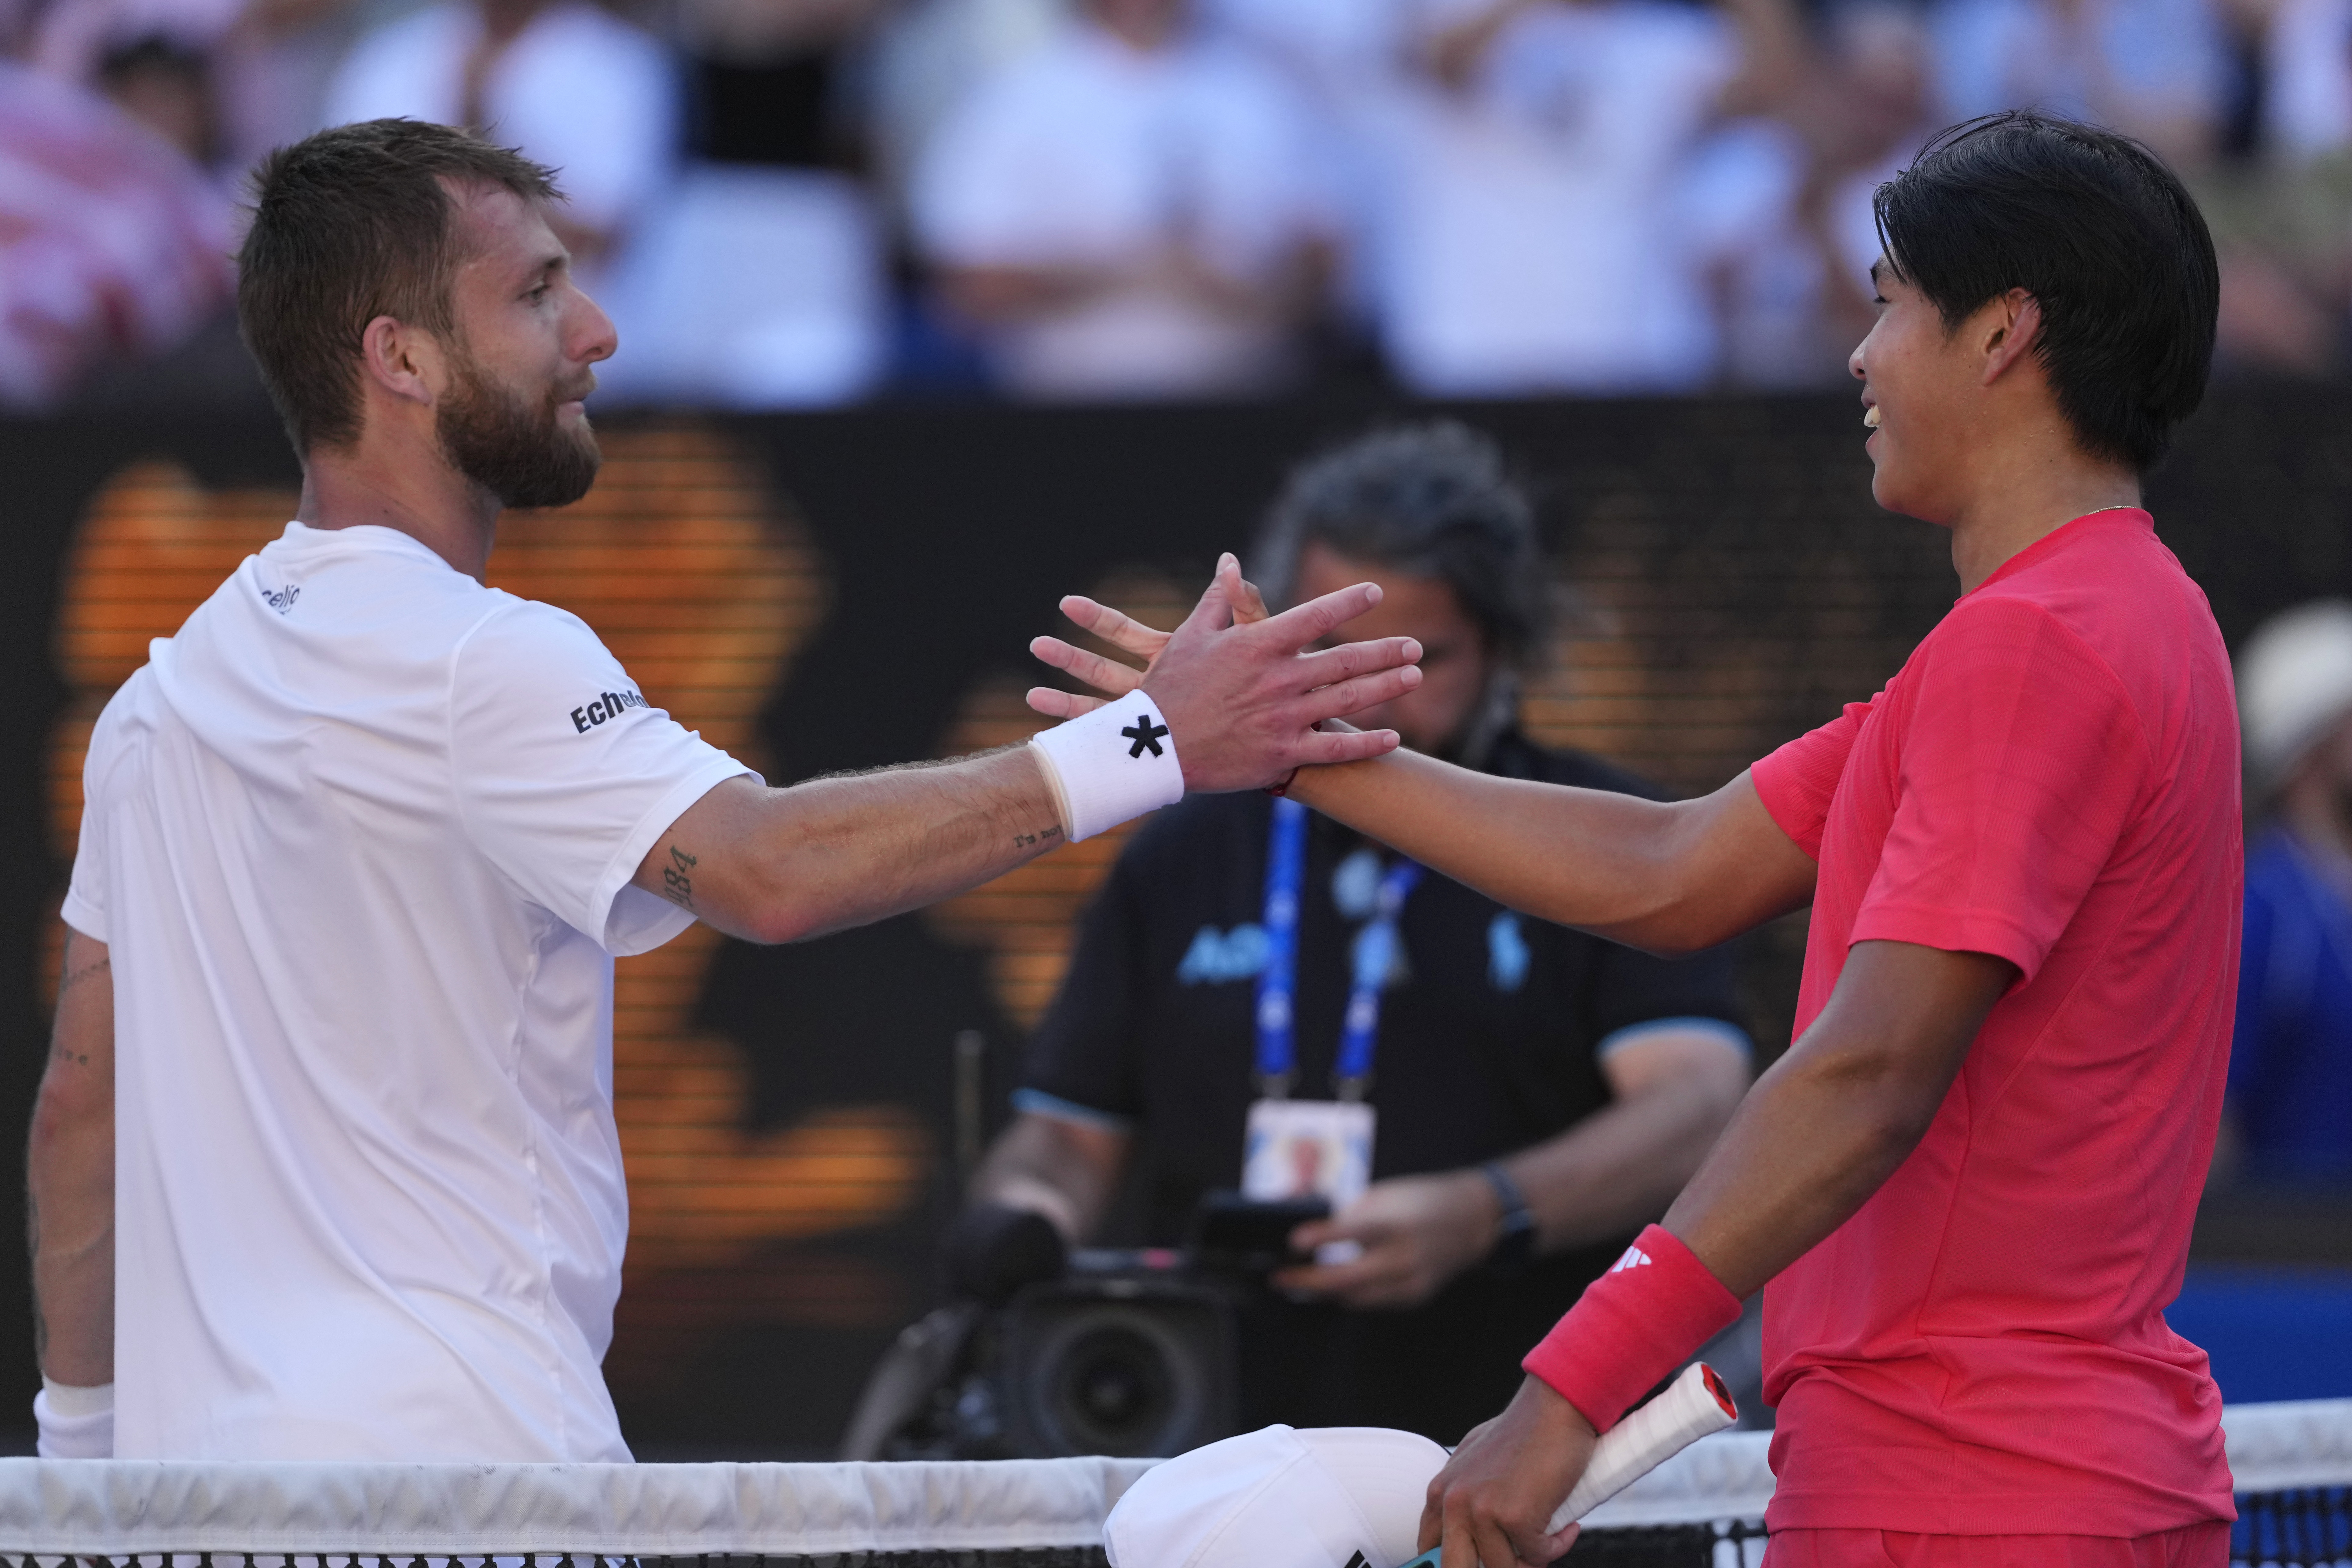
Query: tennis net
point(1010, 1513)
point(1703, 1509)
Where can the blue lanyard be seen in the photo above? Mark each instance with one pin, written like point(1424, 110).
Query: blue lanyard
point(1277, 983)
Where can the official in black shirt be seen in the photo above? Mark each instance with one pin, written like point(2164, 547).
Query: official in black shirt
point(1539, 1094)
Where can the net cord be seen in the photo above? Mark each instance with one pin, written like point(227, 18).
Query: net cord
point(2273, 1447)
point(120, 1509)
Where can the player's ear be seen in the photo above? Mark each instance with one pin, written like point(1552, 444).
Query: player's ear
point(2013, 328)
point(402, 359)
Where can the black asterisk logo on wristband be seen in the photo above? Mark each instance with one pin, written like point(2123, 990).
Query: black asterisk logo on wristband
point(1143, 732)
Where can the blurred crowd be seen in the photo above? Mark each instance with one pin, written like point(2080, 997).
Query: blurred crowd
point(800, 203)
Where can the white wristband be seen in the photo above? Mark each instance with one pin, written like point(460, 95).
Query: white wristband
point(1116, 762)
point(75, 1422)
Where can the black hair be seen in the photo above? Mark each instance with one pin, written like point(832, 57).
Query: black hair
point(1431, 499)
point(350, 225)
point(2104, 238)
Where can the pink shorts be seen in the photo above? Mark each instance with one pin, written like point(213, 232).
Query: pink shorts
point(2203, 1545)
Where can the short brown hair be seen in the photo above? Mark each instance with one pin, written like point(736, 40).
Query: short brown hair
point(350, 225)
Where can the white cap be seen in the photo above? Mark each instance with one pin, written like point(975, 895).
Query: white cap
point(2295, 683)
point(1330, 1497)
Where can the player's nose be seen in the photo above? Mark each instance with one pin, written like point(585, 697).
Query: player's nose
point(594, 337)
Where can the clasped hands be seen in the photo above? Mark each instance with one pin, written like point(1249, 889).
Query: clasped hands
point(1242, 690)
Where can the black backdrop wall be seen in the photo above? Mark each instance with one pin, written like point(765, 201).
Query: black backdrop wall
point(1743, 585)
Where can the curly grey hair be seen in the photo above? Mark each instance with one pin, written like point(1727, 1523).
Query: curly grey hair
point(1432, 499)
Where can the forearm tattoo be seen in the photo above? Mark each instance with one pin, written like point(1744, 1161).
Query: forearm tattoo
point(59, 1050)
point(1049, 835)
point(84, 973)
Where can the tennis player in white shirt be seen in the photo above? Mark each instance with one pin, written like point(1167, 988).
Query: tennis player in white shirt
point(324, 1164)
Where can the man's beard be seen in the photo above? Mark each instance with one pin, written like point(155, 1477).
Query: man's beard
point(516, 451)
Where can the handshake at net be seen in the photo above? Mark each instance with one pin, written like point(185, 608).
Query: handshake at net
point(1243, 695)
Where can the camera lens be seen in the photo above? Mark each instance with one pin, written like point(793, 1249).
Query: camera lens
point(1126, 1378)
point(1115, 1391)
point(1131, 1368)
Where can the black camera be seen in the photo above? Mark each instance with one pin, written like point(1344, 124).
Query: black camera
point(1131, 1352)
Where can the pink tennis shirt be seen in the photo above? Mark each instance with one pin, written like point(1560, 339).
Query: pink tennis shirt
point(2052, 778)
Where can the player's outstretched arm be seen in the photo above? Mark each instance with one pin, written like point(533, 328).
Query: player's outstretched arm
point(1667, 877)
point(1818, 1134)
point(781, 865)
point(1240, 704)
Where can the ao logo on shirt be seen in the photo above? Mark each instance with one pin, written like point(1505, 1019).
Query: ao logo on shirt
point(608, 705)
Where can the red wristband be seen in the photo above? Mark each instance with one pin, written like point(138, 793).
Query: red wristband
point(1632, 1327)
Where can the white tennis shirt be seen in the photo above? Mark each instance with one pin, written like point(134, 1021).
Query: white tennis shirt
point(360, 839)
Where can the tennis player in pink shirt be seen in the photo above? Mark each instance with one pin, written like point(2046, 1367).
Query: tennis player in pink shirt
point(1967, 1189)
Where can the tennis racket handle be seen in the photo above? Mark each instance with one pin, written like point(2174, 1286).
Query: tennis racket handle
point(1692, 1406)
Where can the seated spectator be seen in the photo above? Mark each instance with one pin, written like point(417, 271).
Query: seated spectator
point(1131, 210)
point(757, 281)
point(2157, 69)
point(153, 58)
point(1537, 1092)
point(2307, 60)
point(928, 58)
point(168, 87)
point(113, 244)
point(272, 71)
point(765, 79)
point(1873, 113)
point(1351, 62)
point(564, 81)
point(2278, 205)
point(734, 280)
point(1533, 241)
point(226, 80)
point(1779, 206)
point(2290, 1096)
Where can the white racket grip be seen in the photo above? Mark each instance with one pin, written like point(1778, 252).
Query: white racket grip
point(1692, 1406)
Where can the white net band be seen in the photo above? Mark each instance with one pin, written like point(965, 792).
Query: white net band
point(121, 1508)
point(2272, 1447)
point(1012, 1511)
